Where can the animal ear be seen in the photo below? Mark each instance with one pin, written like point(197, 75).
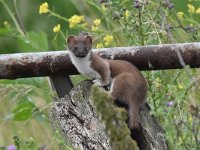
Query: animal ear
point(71, 39)
point(88, 40)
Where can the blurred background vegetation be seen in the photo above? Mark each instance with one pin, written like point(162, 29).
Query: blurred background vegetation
point(173, 94)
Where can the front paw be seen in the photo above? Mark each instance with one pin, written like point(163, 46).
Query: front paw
point(97, 82)
point(106, 87)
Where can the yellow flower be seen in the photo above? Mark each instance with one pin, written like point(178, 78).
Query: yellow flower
point(74, 20)
point(190, 119)
point(94, 28)
point(126, 13)
point(180, 86)
point(157, 82)
point(97, 22)
point(44, 8)
point(103, 7)
point(180, 15)
point(85, 24)
point(56, 28)
point(198, 11)
point(108, 39)
point(191, 8)
point(99, 45)
point(6, 24)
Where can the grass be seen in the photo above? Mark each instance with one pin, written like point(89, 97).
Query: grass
point(37, 126)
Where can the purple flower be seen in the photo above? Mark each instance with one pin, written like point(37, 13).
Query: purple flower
point(11, 147)
point(170, 103)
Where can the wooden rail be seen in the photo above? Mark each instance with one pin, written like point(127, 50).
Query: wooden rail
point(153, 57)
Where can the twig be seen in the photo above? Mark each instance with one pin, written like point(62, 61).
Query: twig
point(140, 26)
point(157, 12)
point(12, 16)
point(179, 133)
point(19, 18)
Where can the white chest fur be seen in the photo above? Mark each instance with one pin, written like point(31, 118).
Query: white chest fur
point(83, 65)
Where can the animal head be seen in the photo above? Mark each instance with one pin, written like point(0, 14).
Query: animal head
point(80, 45)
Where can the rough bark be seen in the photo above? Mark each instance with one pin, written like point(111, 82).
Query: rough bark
point(150, 136)
point(76, 119)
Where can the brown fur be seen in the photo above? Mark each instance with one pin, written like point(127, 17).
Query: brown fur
point(102, 67)
point(128, 86)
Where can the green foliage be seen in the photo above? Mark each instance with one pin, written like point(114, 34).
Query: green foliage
point(24, 100)
point(114, 119)
point(23, 110)
point(27, 98)
point(33, 42)
point(174, 103)
point(25, 144)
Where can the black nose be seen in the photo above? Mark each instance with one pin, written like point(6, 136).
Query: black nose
point(80, 53)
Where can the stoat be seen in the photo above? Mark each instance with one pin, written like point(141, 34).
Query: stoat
point(127, 83)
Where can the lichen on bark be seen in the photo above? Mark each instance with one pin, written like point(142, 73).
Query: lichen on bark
point(114, 119)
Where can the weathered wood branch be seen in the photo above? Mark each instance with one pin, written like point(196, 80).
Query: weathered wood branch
point(154, 57)
point(77, 120)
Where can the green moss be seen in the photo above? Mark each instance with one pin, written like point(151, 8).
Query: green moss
point(114, 119)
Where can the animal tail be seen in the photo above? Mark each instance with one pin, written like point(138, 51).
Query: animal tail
point(133, 113)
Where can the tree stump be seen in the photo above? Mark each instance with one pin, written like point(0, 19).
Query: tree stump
point(74, 117)
point(81, 127)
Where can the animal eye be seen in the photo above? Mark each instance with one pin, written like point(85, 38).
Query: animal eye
point(86, 49)
point(75, 48)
